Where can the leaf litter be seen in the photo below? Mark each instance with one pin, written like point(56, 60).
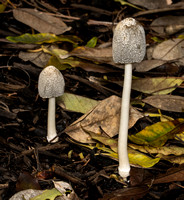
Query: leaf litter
point(154, 143)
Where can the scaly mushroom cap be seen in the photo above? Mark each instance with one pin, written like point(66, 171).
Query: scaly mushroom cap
point(129, 44)
point(50, 83)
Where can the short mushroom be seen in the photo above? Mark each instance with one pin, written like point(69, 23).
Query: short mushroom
point(128, 46)
point(51, 85)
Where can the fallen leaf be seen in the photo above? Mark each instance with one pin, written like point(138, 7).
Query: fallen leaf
point(168, 25)
point(102, 55)
point(41, 38)
point(40, 21)
point(147, 65)
point(40, 59)
point(139, 159)
point(104, 116)
point(26, 194)
point(168, 50)
point(173, 174)
point(157, 134)
point(27, 181)
point(62, 60)
point(76, 103)
point(166, 102)
point(112, 143)
point(173, 159)
point(150, 4)
point(136, 158)
point(164, 150)
point(66, 189)
point(130, 193)
point(156, 86)
point(48, 194)
point(92, 43)
point(123, 2)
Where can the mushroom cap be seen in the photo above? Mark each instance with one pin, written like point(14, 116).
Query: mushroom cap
point(129, 43)
point(50, 83)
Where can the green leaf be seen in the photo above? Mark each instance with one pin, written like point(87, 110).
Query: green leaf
point(41, 38)
point(92, 43)
point(48, 194)
point(156, 86)
point(128, 4)
point(156, 39)
point(76, 103)
point(157, 134)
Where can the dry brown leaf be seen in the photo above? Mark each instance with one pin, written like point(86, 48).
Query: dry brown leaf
point(40, 59)
point(103, 55)
point(105, 115)
point(166, 102)
point(40, 21)
point(164, 150)
point(168, 25)
point(150, 4)
point(147, 65)
point(173, 174)
point(130, 193)
point(169, 50)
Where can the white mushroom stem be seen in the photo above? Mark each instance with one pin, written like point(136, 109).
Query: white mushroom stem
point(124, 165)
point(51, 123)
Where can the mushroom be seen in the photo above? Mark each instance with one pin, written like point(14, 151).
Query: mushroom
point(128, 46)
point(51, 85)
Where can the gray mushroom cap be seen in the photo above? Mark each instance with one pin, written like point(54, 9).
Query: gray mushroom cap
point(129, 44)
point(50, 83)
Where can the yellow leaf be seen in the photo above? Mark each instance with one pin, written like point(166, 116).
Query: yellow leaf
point(136, 158)
point(112, 143)
point(41, 38)
point(157, 134)
point(157, 86)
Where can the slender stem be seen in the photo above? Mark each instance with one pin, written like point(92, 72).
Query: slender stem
point(124, 166)
point(51, 123)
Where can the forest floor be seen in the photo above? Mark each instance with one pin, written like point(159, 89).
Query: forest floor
point(76, 37)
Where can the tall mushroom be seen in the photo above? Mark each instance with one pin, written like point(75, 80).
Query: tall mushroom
point(128, 46)
point(51, 85)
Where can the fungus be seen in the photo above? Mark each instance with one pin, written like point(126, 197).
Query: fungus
point(51, 85)
point(128, 46)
